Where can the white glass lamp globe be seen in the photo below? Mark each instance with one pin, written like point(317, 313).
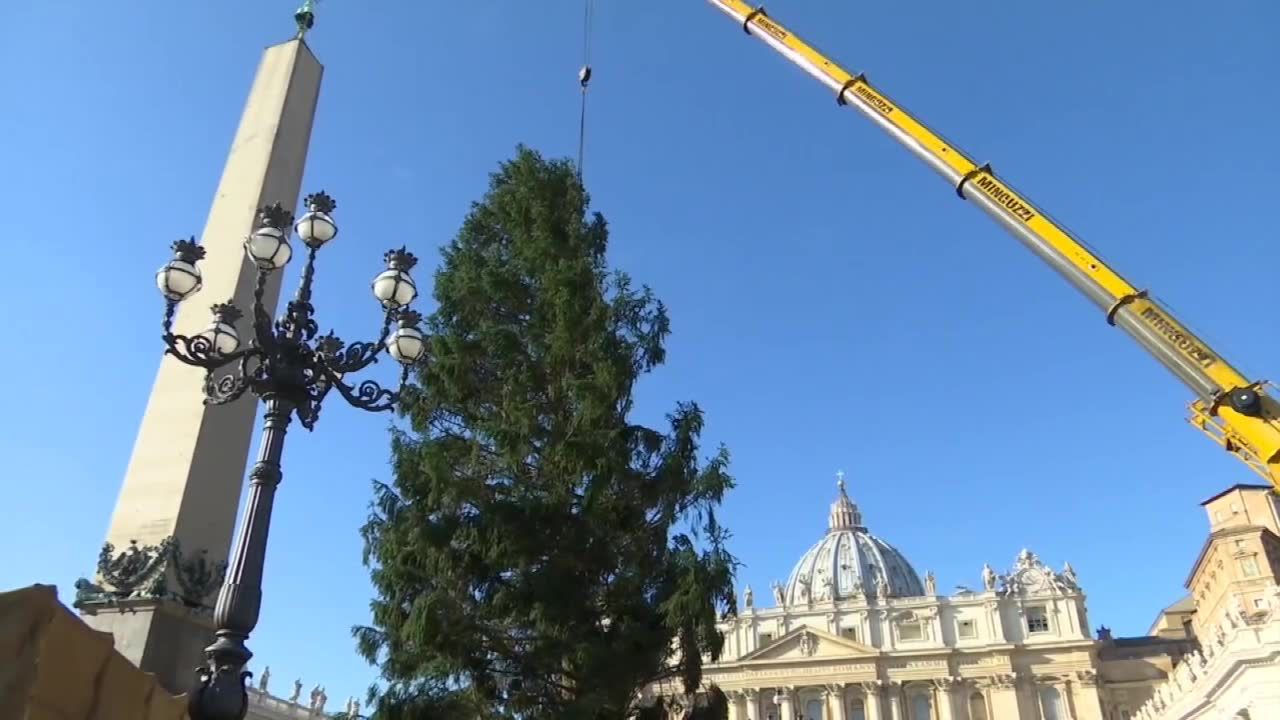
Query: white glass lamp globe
point(316, 228)
point(178, 280)
point(406, 345)
point(268, 248)
point(222, 336)
point(394, 288)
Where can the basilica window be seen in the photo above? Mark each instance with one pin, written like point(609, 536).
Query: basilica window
point(1037, 620)
point(1051, 703)
point(850, 633)
point(978, 707)
point(911, 629)
point(857, 711)
point(966, 629)
point(765, 639)
point(813, 710)
point(920, 709)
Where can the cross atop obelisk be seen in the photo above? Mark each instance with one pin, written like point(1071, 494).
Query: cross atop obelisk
point(170, 533)
point(305, 17)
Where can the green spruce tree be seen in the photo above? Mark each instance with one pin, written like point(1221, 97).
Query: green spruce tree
point(538, 554)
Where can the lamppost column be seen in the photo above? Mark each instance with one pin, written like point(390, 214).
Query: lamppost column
point(240, 599)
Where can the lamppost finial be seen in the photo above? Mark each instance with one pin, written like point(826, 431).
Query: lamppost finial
point(305, 16)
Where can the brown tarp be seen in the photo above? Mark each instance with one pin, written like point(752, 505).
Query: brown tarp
point(55, 667)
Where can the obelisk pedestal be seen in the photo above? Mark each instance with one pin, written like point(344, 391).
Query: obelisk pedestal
point(171, 531)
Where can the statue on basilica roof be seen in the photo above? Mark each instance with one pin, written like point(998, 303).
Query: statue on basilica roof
point(988, 577)
point(1069, 575)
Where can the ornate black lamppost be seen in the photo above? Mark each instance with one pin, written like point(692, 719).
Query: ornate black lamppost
point(292, 370)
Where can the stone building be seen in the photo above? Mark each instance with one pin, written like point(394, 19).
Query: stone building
point(1231, 616)
point(857, 634)
point(301, 704)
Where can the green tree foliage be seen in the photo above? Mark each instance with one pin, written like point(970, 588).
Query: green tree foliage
point(538, 555)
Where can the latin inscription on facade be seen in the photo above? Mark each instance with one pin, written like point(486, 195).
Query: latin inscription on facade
point(868, 668)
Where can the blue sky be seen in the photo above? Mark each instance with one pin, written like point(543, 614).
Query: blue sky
point(833, 304)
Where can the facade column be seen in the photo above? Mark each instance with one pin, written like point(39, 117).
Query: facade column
point(1068, 608)
point(893, 699)
point(944, 697)
point(785, 698)
point(1085, 701)
point(1039, 699)
point(996, 621)
point(1004, 697)
point(753, 703)
point(871, 700)
point(745, 634)
point(836, 702)
point(886, 629)
point(935, 624)
point(1064, 699)
point(735, 704)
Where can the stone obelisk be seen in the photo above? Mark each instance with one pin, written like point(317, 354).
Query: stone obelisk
point(171, 531)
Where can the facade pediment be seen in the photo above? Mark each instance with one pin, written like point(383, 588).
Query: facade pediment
point(807, 643)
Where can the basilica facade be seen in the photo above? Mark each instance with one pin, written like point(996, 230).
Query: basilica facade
point(856, 633)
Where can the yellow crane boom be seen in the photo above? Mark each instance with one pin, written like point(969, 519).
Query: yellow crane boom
point(1238, 414)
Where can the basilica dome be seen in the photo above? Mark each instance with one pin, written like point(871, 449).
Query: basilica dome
point(849, 562)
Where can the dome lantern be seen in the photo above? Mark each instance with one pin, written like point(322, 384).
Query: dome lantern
point(844, 513)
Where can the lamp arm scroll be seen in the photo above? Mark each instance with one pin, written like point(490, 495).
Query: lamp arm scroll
point(368, 395)
point(360, 355)
point(198, 351)
point(228, 388)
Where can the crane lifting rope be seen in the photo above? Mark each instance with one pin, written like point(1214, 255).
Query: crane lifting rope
point(1235, 412)
point(584, 78)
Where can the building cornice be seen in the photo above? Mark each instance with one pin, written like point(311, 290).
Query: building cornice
point(1218, 535)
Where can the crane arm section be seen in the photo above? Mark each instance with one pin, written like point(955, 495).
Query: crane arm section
point(1238, 414)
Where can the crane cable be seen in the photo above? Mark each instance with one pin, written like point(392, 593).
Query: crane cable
point(584, 79)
